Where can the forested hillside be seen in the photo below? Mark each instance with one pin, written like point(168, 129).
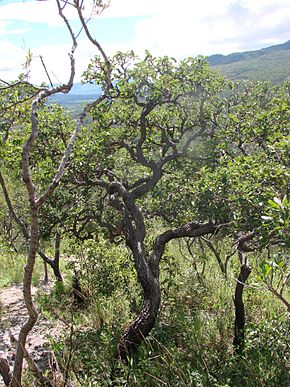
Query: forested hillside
point(158, 219)
point(268, 64)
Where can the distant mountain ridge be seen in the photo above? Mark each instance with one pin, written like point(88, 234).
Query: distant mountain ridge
point(270, 63)
point(79, 95)
point(219, 59)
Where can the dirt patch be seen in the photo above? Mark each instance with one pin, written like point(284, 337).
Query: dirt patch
point(12, 316)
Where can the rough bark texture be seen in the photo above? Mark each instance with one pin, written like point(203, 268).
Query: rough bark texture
point(5, 371)
point(124, 197)
point(136, 332)
point(239, 338)
point(148, 274)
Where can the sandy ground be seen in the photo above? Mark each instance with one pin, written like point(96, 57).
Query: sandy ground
point(12, 315)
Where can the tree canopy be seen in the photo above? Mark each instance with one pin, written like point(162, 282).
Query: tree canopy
point(171, 152)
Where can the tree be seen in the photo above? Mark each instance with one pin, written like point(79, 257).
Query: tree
point(158, 112)
point(166, 139)
point(37, 199)
point(251, 167)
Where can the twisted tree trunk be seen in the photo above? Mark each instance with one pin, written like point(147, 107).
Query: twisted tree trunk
point(35, 204)
point(148, 275)
point(240, 320)
point(136, 332)
point(239, 339)
point(32, 312)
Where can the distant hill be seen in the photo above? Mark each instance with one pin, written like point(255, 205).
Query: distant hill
point(270, 64)
point(77, 97)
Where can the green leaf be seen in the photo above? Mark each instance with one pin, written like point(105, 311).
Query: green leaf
point(281, 264)
point(273, 204)
point(284, 202)
point(266, 270)
point(259, 278)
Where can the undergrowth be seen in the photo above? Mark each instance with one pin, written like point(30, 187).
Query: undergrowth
point(12, 268)
point(191, 343)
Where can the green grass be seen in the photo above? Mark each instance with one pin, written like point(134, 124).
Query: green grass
point(12, 267)
point(191, 343)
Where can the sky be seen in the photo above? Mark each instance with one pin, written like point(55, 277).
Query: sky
point(164, 27)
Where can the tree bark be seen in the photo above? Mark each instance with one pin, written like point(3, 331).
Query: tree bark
point(32, 366)
point(35, 204)
point(78, 295)
point(32, 312)
point(239, 338)
point(5, 371)
point(56, 269)
point(136, 332)
point(54, 263)
point(148, 276)
point(45, 276)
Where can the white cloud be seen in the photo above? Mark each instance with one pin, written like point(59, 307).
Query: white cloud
point(190, 27)
point(258, 4)
point(183, 28)
point(47, 12)
point(30, 11)
point(11, 59)
point(55, 57)
point(131, 8)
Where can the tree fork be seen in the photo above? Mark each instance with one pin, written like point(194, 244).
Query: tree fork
point(148, 275)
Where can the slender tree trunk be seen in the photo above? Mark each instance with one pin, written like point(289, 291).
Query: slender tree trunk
point(45, 277)
point(239, 338)
point(54, 263)
point(79, 297)
point(217, 255)
point(57, 273)
point(35, 204)
point(32, 312)
point(55, 267)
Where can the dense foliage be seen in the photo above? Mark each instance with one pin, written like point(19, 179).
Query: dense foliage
point(175, 174)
